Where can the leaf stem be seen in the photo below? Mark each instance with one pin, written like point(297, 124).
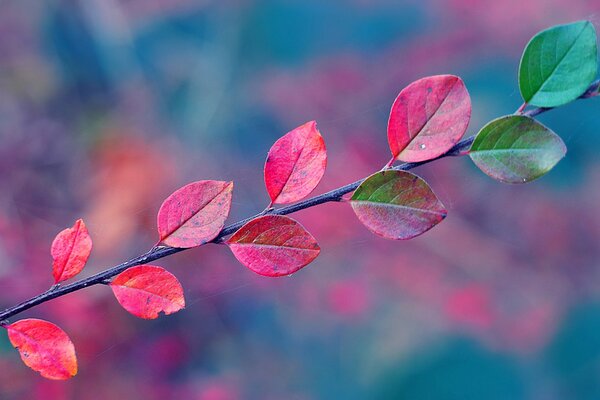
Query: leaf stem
point(390, 163)
point(157, 252)
point(520, 109)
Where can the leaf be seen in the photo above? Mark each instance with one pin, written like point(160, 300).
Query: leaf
point(70, 251)
point(273, 245)
point(147, 290)
point(295, 164)
point(428, 117)
point(194, 214)
point(397, 205)
point(516, 149)
point(558, 64)
point(44, 347)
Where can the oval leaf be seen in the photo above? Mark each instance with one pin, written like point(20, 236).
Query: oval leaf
point(428, 117)
point(295, 164)
point(516, 149)
point(147, 290)
point(397, 205)
point(274, 245)
point(194, 214)
point(70, 251)
point(558, 64)
point(44, 347)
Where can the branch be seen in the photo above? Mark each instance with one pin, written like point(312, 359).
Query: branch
point(459, 149)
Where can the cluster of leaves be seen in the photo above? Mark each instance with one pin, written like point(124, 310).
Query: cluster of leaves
point(427, 121)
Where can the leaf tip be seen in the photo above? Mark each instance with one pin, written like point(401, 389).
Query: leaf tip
point(312, 125)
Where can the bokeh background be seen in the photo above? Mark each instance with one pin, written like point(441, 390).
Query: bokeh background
point(107, 106)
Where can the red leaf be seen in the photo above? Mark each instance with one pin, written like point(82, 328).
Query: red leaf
point(295, 164)
point(194, 214)
point(44, 348)
point(70, 250)
point(397, 205)
point(146, 290)
point(428, 117)
point(273, 245)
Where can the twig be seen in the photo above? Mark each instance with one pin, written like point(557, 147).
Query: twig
point(158, 252)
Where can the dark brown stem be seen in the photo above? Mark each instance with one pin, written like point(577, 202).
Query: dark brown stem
point(158, 252)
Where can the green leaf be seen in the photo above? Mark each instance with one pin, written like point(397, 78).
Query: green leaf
point(397, 205)
point(558, 64)
point(516, 149)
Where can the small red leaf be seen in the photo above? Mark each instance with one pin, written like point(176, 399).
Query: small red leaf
point(146, 290)
point(70, 250)
point(273, 245)
point(397, 205)
point(44, 348)
point(295, 164)
point(194, 214)
point(428, 117)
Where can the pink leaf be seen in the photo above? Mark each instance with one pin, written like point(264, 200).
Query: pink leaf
point(428, 117)
point(146, 290)
point(194, 214)
point(70, 251)
point(295, 164)
point(44, 347)
point(273, 245)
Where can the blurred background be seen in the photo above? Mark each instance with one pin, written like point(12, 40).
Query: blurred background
point(107, 106)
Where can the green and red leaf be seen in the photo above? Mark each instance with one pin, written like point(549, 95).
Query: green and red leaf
point(70, 251)
point(428, 117)
point(397, 205)
point(295, 164)
point(147, 290)
point(44, 347)
point(516, 149)
point(194, 214)
point(274, 245)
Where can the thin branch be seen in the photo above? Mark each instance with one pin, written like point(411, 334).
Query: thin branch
point(158, 252)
